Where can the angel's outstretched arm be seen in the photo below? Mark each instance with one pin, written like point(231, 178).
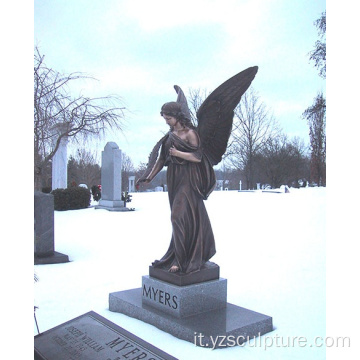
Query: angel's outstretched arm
point(155, 170)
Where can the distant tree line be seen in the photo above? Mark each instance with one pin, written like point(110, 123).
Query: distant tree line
point(279, 162)
point(258, 150)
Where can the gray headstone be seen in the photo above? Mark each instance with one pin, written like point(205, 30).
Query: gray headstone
point(111, 172)
point(131, 183)
point(111, 162)
point(44, 244)
point(44, 224)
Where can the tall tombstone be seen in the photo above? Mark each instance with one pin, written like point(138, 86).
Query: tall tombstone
point(44, 248)
point(111, 162)
point(131, 183)
point(59, 161)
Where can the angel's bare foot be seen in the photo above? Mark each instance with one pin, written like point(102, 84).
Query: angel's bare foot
point(174, 268)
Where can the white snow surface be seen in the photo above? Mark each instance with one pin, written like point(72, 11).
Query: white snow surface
point(270, 248)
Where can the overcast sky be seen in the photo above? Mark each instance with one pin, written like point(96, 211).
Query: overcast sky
point(139, 49)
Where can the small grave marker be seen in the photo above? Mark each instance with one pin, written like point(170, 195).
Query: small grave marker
point(92, 337)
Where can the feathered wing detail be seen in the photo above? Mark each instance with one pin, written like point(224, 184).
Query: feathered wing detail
point(181, 99)
point(152, 158)
point(215, 115)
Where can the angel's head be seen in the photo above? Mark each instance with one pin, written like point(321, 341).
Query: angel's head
point(173, 109)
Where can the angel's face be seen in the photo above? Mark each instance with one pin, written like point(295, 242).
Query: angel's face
point(170, 120)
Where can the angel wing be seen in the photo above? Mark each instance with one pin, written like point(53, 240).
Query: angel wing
point(215, 115)
point(181, 99)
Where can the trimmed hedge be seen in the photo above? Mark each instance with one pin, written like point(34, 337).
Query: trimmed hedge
point(71, 198)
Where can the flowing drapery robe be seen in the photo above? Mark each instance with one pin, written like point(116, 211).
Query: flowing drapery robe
point(189, 183)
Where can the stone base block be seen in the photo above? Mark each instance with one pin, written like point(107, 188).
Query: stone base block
point(209, 271)
point(220, 328)
point(112, 205)
point(55, 258)
point(183, 301)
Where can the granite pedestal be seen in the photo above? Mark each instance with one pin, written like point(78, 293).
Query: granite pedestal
point(198, 313)
point(209, 271)
point(116, 205)
point(184, 301)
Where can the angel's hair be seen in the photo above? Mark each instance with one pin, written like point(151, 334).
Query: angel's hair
point(174, 109)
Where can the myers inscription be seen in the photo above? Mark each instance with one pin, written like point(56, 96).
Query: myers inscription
point(92, 337)
point(160, 296)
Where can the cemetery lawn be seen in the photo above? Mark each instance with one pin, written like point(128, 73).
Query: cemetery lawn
point(270, 248)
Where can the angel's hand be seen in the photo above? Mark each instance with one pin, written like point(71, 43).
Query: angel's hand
point(173, 151)
point(147, 180)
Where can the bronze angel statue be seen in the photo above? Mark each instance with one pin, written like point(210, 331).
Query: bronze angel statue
point(189, 153)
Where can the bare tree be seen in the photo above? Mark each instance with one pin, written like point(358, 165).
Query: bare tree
point(319, 53)
point(58, 115)
point(316, 119)
point(195, 99)
point(84, 169)
point(253, 126)
point(282, 162)
point(316, 113)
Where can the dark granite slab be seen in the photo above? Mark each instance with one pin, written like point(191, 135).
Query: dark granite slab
point(43, 223)
point(44, 245)
point(215, 329)
point(209, 271)
point(92, 337)
point(54, 258)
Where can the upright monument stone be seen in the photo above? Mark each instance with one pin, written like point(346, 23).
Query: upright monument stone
point(131, 183)
point(59, 162)
point(111, 162)
point(44, 249)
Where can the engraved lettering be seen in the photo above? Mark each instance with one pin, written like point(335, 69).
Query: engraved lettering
point(74, 331)
point(174, 298)
point(59, 340)
point(141, 356)
point(115, 342)
point(161, 296)
point(167, 298)
point(126, 356)
point(147, 293)
point(91, 343)
point(126, 346)
point(154, 292)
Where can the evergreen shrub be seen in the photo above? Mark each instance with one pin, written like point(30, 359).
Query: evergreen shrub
point(71, 198)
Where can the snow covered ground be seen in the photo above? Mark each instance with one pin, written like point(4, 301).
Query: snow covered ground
point(270, 247)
